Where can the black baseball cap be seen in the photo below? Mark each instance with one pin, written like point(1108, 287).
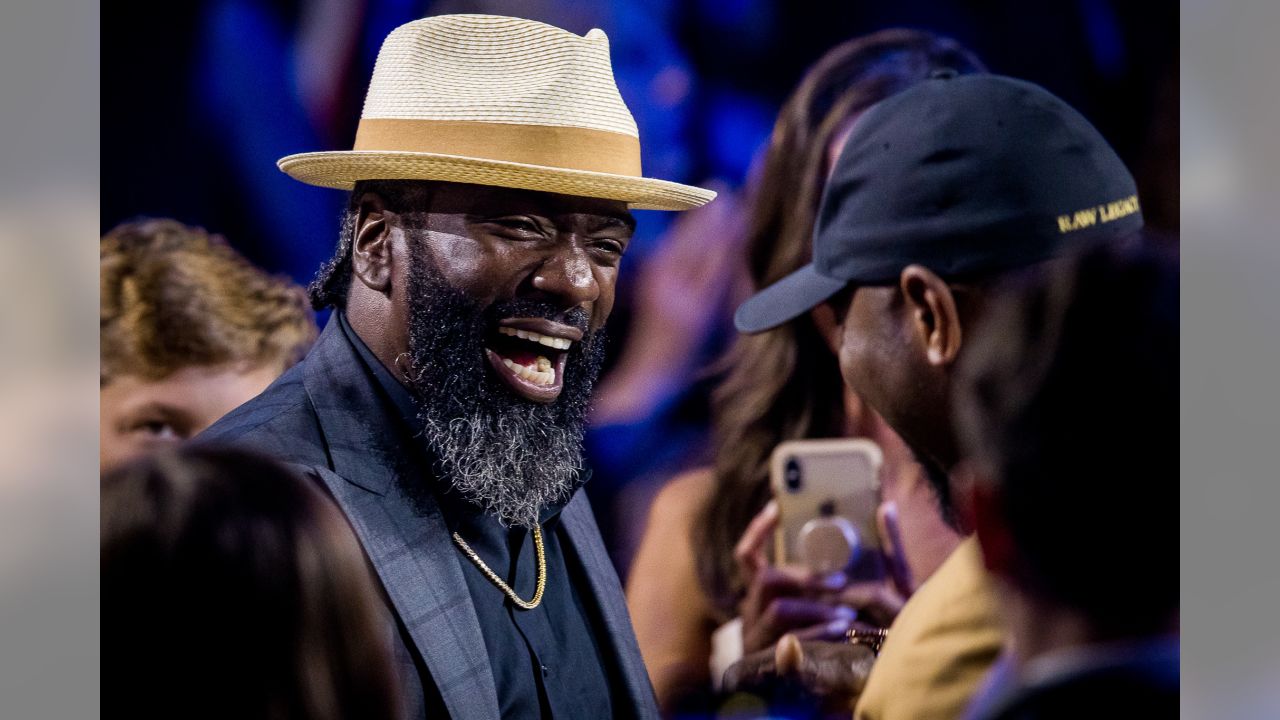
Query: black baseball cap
point(962, 174)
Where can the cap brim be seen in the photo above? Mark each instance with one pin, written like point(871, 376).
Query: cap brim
point(343, 168)
point(785, 300)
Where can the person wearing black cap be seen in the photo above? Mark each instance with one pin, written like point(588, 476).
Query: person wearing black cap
point(940, 191)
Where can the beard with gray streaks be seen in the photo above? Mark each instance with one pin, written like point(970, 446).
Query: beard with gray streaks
point(511, 456)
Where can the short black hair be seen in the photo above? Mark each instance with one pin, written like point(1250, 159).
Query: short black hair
point(1068, 396)
point(333, 281)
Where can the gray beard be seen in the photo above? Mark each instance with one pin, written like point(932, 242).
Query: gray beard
point(508, 455)
point(512, 466)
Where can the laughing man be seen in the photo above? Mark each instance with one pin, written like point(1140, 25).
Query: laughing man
point(443, 405)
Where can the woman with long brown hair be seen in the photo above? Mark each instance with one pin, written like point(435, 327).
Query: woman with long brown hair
point(695, 571)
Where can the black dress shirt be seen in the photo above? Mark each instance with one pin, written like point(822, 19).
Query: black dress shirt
point(547, 662)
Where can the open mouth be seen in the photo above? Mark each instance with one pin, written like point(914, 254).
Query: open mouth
point(530, 355)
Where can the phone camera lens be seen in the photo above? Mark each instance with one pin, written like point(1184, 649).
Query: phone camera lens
point(792, 475)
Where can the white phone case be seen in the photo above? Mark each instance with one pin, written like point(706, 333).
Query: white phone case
point(825, 489)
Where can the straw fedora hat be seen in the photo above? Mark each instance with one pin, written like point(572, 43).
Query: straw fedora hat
point(497, 101)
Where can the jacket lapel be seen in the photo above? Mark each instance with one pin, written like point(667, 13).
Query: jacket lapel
point(580, 526)
point(407, 543)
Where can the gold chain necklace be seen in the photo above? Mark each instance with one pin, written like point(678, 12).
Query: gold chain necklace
point(505, 588)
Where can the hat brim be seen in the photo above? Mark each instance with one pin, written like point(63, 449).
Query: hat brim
point(342, 169)
point(785, 300)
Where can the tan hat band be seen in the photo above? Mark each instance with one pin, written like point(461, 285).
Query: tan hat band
point(572, 148)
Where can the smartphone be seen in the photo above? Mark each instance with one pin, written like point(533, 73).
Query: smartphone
point(827, 493)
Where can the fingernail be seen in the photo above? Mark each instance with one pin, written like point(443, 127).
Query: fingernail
point(833, 581)
point(843, 613)
point(839, 627)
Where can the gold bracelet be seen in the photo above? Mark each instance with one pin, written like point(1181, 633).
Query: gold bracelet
point(872, 638)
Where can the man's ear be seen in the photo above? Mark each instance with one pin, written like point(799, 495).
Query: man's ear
point(979, 503)
point(933, 313)
point(371, 250)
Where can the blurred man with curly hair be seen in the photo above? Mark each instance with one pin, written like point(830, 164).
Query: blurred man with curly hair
point(189, 330)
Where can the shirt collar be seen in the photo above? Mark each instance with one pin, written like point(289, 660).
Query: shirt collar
point(1051, 667)
point(397, 393)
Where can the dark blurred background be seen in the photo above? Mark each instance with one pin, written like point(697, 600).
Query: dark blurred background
point(201, 98)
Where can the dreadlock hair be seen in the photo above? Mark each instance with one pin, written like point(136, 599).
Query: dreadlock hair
point(407, 198)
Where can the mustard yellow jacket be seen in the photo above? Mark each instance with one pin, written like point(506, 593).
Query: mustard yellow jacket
point(940, 646)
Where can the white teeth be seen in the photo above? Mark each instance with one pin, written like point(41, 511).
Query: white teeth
point(541, 374)
point(551, 342)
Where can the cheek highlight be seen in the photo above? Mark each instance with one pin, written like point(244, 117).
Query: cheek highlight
point(603, 306)
point(474, 266)
point(867, 349)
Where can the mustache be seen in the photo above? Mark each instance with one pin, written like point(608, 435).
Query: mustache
point(576, 317)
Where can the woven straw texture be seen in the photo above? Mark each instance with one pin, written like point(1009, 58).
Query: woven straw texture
point(506, 72)
point(497, 69)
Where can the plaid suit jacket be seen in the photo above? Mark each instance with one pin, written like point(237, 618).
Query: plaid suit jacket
point(325, 418)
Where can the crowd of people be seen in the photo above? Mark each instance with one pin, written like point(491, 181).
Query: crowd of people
point(388, 518)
